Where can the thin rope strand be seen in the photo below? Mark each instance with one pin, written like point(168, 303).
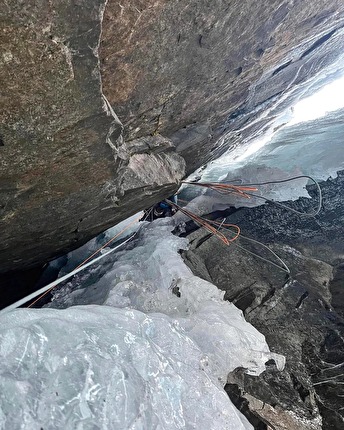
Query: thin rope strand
point(63, 278)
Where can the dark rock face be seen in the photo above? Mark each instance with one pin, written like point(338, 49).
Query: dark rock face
point(195, 70)
point(319, 237)
point(66, 174)
point(176, 74)
point(298, 316)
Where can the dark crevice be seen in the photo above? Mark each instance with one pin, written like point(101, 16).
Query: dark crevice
point(268, 296)
point(272, 98)
point(303, 392)
point(322, 19)
point(280, 68)
point(301, 299)
point(318, 43)
point(16, 285)
point(1, 141)
point(243, 299)
point(238, 71)
point(76, 231)
point(336, 287)
point(236, 114)
point(234, 393)
point(204, 239)
point(259, 52)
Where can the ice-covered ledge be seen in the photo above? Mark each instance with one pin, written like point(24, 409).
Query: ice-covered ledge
point(155, 351)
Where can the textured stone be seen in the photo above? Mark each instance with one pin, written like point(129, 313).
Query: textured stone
point(65, 169)
point(195, 70)
point(298, 317)
point(274, 418)
point(193, 74)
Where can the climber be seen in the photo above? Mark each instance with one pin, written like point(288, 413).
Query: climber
point(162, 209)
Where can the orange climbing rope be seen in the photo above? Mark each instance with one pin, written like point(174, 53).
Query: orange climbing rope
point(224, 188)
point(207, 224)
point(212, 226)
point(111, 240)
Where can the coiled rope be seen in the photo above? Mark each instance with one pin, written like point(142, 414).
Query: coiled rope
point(244, 190)
point(207, 224)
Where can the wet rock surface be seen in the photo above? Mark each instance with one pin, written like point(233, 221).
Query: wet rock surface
point(301, 317)
point(86, 84)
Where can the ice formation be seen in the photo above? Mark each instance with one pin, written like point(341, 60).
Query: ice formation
point(141, 344)
point(306, 138)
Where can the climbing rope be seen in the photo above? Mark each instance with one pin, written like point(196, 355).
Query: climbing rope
point(86, 263)
point(284, 266)
point(224, 188)
point(310, 214)
point(207, 224)
point(244, 190)
point(58, 281)
point(90, 257)
point(213, 227)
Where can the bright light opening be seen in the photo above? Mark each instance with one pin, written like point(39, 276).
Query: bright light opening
point(328, 99)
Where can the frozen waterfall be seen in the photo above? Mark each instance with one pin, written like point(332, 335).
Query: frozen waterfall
point(141, 343)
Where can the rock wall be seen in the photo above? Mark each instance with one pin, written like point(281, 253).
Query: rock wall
point(105, 104)
point(66, 173)
point(301, 317)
